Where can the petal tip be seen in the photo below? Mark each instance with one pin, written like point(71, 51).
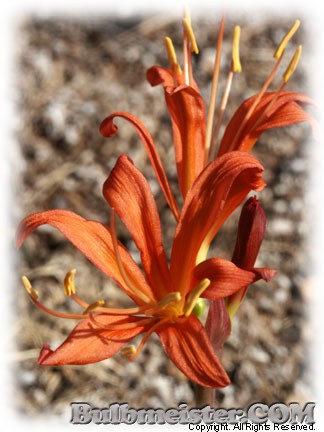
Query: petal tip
point(44, 354)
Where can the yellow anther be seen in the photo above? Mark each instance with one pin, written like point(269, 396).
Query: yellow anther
point(94, 306)
point(69, 287)
point(292, 65)
point(236, 50)
point(171, 52)
point(128, 351)
point(31, 291)
point(172, 297)
point(194, 296)
point(286, 39)
point(190, 35)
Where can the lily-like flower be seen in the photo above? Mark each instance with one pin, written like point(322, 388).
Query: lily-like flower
point(196, 131)
point(164, 295)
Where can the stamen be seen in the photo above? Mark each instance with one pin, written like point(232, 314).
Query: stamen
point(292, 65)
point(31, 291)
point(94, 306)
point(221, 111)
point(194, 296)
point(236, 50)
point(190, 35)
point(69, 287)
point(79, 301)
point(34, 297)
point(145, 338)
point(120, 265)
point(171, 54)
point(282, 46)
point(128, 351)
point(112, 311)
point(124, 326)
point(255, 103)
point(213, 92)
point(286, 76)
point(172, 297)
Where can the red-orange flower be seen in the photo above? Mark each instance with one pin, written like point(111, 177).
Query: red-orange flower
point(165, 295)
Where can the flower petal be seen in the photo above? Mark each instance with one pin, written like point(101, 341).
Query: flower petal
point(225, 278)
point(94, 240)
point(109, 129)
point(89, 343)
point(285, 111)
point(187, 110)
point(128, 192)
point(189, 348)
point(218, 325)
point(250, 234)
point(216, 193)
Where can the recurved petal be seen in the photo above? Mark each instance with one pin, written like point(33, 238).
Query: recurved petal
point(225, 278)
point(94, 240)
point(188, 346)
point(109, 129)
point(285, 110)
point(128, 192)
point(157, 75)
point(90, 343)
point(216, 193)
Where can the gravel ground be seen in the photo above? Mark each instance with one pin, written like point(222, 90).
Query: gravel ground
point(72, 73)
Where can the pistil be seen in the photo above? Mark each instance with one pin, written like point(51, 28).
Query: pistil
point(235, 67)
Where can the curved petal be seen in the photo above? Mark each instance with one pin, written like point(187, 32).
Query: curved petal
point(94, 240)
point(216, 193)
point(225, 278)
point(250, 234)
point(109, 129)
point(157, 75)
point(88, 343)
point(285, 111)
point(188, 346)
point(128, 192)
point(187, 110)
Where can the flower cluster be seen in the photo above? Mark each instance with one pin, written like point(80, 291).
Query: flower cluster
point(166, 292)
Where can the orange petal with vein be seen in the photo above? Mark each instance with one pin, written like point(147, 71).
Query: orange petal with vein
point(94, 240)
point(189, 348)
point(88, 343)
point(225, 278)
point(187, 110)
point(286, 110)
point(127, 191)
point(216, 193)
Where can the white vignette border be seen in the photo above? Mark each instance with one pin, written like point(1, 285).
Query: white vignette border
point(11, 13)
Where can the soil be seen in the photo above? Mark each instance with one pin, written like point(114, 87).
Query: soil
point(70, 74)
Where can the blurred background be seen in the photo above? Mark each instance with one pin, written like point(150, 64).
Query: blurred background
point(70, 74)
